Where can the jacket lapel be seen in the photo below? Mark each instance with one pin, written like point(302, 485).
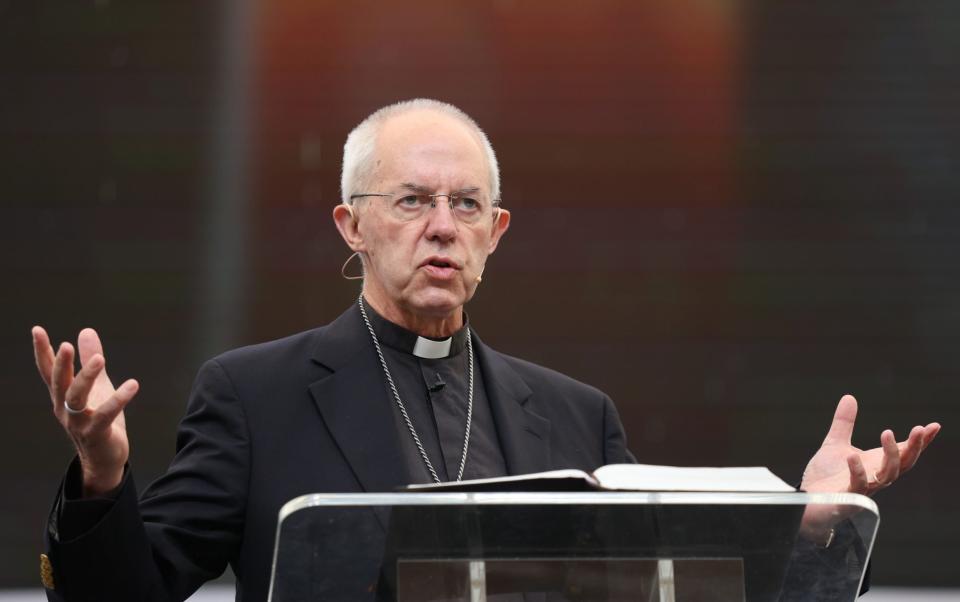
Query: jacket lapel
point(354, 405)
point(357, 411)
point(524, 435)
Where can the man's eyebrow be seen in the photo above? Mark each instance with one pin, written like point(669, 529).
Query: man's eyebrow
point(415, 188)
point(419, 189)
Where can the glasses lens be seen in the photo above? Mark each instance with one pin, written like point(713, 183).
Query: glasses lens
point(409, 207)
point(467, 209)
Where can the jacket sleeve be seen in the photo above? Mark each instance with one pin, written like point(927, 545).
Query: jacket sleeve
point(187, 525)
point(614, 438)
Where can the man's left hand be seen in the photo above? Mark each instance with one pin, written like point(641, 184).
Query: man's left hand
point(839, 467)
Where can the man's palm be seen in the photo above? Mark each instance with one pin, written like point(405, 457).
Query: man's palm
point(839, 467)
point(88, 406)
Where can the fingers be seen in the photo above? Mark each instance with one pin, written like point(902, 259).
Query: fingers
point(62, 374)
point(859, 483)
point(841, 429)
point(890, 466)
point(918, 440)
point(930, 433)
point(43, 354)
point(108, 411)
point(911, 448)
point(88, 344)
point(79, 390)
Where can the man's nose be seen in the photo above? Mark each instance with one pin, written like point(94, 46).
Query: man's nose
point(442, 223)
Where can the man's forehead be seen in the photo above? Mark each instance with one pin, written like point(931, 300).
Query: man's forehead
point(427, 144)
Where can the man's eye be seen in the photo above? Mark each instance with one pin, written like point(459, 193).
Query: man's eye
point(410, 200)
point(467, 204)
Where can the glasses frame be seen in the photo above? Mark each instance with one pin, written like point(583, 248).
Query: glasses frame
point(495, 203)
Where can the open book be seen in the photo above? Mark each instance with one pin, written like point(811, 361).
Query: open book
point(628, 477)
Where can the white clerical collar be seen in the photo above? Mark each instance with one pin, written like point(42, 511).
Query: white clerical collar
point(399, 338)
point(430, 349)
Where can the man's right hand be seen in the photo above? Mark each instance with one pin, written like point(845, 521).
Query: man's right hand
point(96, 426)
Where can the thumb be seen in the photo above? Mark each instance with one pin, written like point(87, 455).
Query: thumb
point(108, 411)
point(841, 429)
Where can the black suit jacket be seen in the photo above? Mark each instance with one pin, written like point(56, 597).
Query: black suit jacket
point(305, 414)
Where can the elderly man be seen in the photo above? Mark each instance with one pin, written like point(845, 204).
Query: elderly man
point(399, 389)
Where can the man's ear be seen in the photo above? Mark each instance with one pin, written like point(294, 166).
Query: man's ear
point(499, 227)
point(345, 217)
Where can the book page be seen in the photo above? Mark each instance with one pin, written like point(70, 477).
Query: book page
point(646, 477)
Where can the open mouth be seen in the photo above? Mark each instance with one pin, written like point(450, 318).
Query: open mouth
point(441, 267)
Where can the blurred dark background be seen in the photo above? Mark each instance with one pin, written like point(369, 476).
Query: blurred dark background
point(727, 214)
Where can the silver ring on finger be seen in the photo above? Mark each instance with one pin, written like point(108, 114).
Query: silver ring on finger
point(73, 411)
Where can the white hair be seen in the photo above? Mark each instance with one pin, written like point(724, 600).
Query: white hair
point(360, 146)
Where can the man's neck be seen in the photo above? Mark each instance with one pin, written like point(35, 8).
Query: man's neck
point(429, 325)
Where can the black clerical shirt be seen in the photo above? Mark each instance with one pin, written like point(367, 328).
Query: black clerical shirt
point(434, 392)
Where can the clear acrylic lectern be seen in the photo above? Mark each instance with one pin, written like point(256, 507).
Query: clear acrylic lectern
point(659, 547)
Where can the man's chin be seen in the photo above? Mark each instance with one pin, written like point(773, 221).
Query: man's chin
point(437, 302)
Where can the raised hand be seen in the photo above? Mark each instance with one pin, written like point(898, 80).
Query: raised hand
point(839, 467)
point(87, 406)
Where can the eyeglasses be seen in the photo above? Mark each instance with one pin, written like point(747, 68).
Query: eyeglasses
point(407, 207)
